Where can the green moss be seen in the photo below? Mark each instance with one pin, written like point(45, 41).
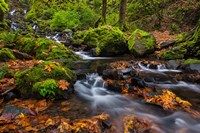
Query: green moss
point(46, 88)
point(78, 38)
point(175, 53)
point(6, 54)
point(109, 40)
point(5, 72)
point(141, 43)
point(26, 45)
point(187, 47)
point(39, 73)
point(192, 61)
point(45, 49)
point(9, 39)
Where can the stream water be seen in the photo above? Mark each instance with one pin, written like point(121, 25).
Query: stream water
point(92, 89)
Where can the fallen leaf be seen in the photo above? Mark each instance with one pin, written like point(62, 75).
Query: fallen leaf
point(49, 67)
point(1, 101)
point(21, 115)
point(63, 85)
point(65, 103)
point(50, 122)
point(65, 109)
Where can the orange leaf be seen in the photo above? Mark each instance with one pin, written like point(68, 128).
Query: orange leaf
point(49, 67)
point(65, 109)
point(63, 85)
point(64, 103)
point(1, 101)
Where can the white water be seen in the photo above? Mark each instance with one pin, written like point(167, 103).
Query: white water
point(12, 12)
point(161, 68)
point(92, 90)
point(14, 26)
point(86, 56)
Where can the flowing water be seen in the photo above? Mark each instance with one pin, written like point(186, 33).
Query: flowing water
point(93, 90)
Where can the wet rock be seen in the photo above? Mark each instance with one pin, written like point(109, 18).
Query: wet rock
point(174, 64)
point(115, 86)
point(191, 68)
point(106, 124)
point(138, 82)
point(101, 68)
point(20, 55)
point(110, 74)
point(14, 110)
point(167, 44)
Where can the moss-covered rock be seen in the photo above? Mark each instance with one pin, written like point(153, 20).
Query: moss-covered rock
point(45, 49)
point(187, 47)
point(141, 43)
point(6, 54)
point(192, 61)
point(175, 53)
point(107, 40)
point(78, 38)
point(5, 72)
point(28, 80)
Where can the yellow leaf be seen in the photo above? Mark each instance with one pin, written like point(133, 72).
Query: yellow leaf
point(21, 115)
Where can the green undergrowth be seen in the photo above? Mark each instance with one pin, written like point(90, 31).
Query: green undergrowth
point(6, 54)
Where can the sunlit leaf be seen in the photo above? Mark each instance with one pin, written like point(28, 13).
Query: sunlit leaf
point(63, 85)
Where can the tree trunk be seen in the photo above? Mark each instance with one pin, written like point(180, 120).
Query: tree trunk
point(104, 8)
point(122, 13)
point(1, 15)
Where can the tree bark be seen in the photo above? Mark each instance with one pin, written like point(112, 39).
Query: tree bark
point(104, 8)
point(122, 13)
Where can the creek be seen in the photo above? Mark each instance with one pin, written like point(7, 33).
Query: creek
point(91, 90)
point(94, 92)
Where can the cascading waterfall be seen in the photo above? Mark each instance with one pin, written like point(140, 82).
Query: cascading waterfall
point(92, 89)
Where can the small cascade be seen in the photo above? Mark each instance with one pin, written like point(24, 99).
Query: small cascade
point(86, 56)
point(158, 68)
point(14, 26)
point(12, 12)
point(101, 100)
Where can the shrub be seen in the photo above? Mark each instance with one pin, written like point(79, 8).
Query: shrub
point(65, 19)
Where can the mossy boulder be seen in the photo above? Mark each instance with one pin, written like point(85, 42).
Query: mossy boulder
point(192, 61)
point(78, 38)
point(43, 79)
point(107, 41)
point(141, 43)
point(6, 54)
point(175, 53)
point(45, 49)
